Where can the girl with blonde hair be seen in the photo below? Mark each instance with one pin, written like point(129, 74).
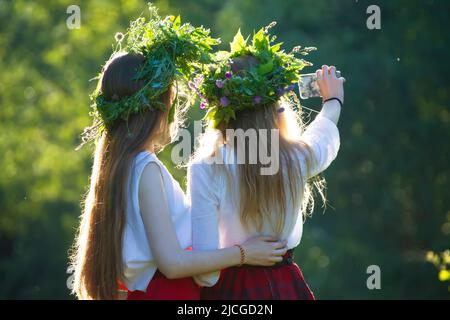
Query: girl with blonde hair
point(249, 90)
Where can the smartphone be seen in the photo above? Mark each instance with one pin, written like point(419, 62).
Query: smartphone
point(308, 85)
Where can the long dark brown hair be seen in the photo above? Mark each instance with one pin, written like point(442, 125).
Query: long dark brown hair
point(97, 252)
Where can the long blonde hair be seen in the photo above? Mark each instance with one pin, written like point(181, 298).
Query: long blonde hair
point(262, 195)
point(97, 252)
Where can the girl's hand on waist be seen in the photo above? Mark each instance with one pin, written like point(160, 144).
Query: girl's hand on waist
point(264, 251)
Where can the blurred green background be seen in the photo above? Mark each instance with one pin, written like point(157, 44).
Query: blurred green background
point(389, 187)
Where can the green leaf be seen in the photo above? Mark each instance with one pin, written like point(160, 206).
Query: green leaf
point(265, 68)
point(276, 47)
point(258, 37)
point(238, 42)
point(177, 23)
point(210, 114)
point(248, 91)
point(261, 41)
point(233, 114)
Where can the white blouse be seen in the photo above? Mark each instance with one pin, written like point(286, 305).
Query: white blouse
point(139, 264)
point(215, 218)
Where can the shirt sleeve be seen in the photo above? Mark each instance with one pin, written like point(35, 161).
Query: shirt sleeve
point(204, 213)
point(322, 137)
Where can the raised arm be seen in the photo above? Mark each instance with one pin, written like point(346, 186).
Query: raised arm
point(322, 135)
point(171, 259)
point(331, 87)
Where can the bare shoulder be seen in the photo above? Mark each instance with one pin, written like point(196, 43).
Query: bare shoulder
point(151, 177)
point(152, 169)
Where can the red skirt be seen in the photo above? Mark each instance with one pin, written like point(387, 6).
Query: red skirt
point(281, 282)
point(162, 288)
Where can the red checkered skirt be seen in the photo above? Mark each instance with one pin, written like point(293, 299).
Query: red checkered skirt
point(281, 282)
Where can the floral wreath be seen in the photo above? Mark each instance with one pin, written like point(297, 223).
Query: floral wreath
point(172, 51)
point(223, 94)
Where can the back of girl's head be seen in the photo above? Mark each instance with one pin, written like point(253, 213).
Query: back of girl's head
point(262, 195)
point(287, 122)
point(149, 126)
point(117, 79)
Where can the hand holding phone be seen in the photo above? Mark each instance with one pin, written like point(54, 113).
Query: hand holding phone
point(309, 86)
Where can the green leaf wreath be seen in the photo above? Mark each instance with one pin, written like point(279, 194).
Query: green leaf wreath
point(173, 52)
point(224, 94)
